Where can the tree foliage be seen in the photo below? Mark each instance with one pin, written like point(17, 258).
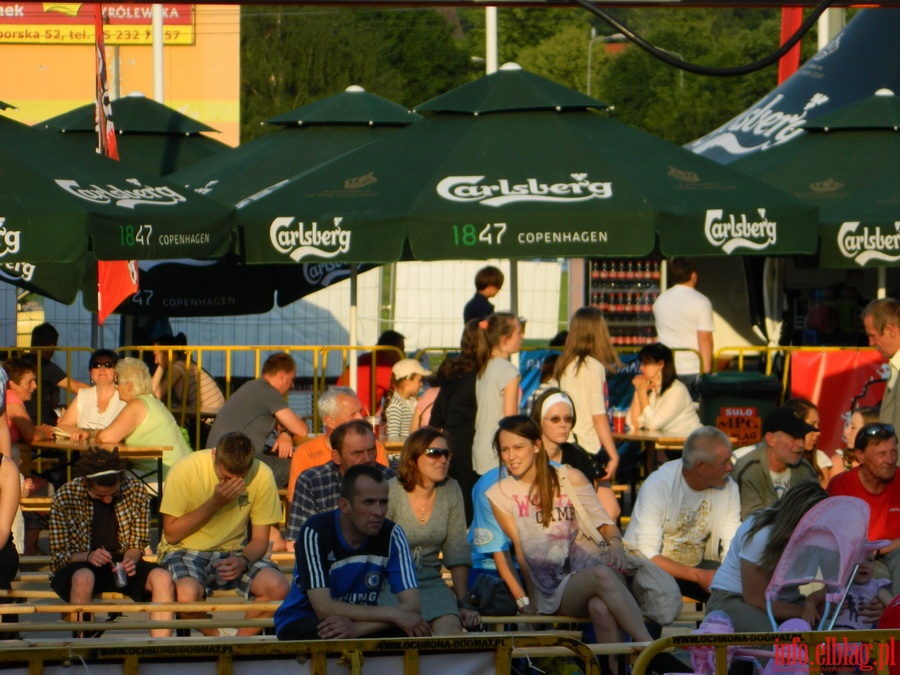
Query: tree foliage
point(646, 92)
point(292, 56)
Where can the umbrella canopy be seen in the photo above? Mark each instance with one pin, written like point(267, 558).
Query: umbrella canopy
point(57, 202)
point(183, 288)
point(846, 165)
point(306, 138)
point(151, 136)
point(514, 165)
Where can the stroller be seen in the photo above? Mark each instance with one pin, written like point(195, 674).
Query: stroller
point(824, 549)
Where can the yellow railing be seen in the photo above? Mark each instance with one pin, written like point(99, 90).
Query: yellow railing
point(251, 655)
point(822, 650)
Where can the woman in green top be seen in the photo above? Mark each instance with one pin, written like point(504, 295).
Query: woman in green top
point(143, 421)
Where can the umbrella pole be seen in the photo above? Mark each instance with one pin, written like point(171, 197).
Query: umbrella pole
point(882, 282)
point(354, 310)
point(514, 298)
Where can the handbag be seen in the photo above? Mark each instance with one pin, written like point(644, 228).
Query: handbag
point(655, 590)
point(489, 596)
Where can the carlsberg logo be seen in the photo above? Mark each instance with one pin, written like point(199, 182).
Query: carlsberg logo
point(468, 189)
point(125, 197)
point(868, 244)
point(300, 240)
point(9, 239)
point(732, 232)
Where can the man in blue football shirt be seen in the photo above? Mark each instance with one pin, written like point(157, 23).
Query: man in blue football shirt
point(343, 558)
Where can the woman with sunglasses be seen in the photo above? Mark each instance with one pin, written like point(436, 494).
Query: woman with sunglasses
point(97, 406)
point(554, 413)
point(144, 420)
point(429, 507)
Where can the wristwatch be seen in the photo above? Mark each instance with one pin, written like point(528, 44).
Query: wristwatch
point(523, 602)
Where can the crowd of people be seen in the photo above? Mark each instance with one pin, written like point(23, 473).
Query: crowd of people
point(479, 489)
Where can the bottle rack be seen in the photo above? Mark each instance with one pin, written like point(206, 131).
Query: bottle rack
point(625, 290)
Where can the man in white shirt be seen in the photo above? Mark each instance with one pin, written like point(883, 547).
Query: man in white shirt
point(881, 319)
point(687, 512)
point(684, 320)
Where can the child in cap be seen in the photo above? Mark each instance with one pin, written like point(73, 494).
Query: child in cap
point(400, 410)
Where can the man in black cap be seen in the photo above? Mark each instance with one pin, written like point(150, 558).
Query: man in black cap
point(777, 463)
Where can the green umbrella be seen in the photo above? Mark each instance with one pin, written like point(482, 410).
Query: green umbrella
point(57, 203)
point(151, 136)
point(306, 138)
point(846, 164)
point(514, 165)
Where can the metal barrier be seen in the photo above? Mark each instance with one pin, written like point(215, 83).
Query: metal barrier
point(185, 656)
point(316, 360)
point(838, 650)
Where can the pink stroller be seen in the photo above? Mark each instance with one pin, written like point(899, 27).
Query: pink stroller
point(824, 549)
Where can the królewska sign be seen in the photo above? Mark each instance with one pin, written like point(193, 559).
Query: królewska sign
point(469, 189)
point(734, 231)
point(868, 245)
point(301, 240)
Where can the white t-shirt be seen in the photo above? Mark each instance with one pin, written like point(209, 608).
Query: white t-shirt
point(683, 524)
point(587, 388)
point(728, 576)
point(680, 312)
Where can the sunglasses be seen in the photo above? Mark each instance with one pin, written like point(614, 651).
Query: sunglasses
point(103, 364)
point(878, 429)
point(556, 419)
point(438, 452)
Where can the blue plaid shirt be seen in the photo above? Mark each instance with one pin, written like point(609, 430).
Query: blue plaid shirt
point(317, 490)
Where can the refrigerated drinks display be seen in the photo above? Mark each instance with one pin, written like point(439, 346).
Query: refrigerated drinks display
point(625, 290)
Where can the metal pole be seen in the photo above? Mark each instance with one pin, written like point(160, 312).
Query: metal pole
point(158, 90)
point(490, 40)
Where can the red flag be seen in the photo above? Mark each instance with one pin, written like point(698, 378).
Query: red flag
point(791, 18)
point(116, 279)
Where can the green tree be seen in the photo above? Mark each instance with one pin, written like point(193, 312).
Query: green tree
point(292, 56)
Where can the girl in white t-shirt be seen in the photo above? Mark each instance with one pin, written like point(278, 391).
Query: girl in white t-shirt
point(565, 572)
point(581, 373)
point(661, 401)
point(740, 584)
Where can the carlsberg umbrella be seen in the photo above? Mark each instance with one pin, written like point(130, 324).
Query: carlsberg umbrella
point(846, 165)
point(514, 165)
point(56, 203)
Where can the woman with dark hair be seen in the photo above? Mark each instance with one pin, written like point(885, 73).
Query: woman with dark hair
point(661, 401)
point(809, 413)
point(454, 410)
point(429, 508)
point(739, 586)
point(554, 414)
point(97, 406)
point(565, 571)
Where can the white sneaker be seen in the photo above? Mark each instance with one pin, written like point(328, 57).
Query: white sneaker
point(227, 632)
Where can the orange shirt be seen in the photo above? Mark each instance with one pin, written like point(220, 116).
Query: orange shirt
point(315, 453)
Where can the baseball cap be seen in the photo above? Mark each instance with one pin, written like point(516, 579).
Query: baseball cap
point(784, 419)
point(407, 367)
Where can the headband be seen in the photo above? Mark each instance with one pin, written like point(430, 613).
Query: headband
point(108, 472)
point(553, 399)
